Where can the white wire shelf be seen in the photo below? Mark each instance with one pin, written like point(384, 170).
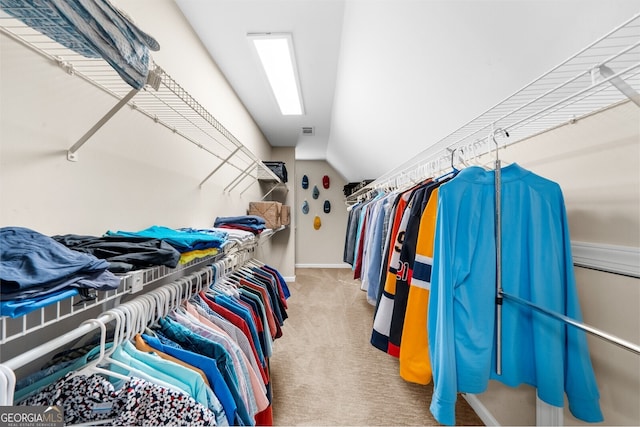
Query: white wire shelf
point(133, 282)
point(162, 100)
point(589, 81)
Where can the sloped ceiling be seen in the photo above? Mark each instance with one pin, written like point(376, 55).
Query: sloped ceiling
point(384, 79)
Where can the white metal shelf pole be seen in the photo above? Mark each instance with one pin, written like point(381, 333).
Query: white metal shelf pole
point(238, 179)
point(71, 153)
point(224, 162)
point(248, 187)
point(244, 175)
point(498, 235)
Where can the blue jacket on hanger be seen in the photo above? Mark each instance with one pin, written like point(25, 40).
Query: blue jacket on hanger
point(536, 266)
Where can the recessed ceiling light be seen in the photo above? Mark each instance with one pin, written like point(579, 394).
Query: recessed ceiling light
point(275, 51)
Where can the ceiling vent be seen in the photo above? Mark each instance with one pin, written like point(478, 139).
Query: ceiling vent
point(308, 130)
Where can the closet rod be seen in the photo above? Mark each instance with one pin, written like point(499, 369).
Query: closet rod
point(629, 346)
point(49, 346)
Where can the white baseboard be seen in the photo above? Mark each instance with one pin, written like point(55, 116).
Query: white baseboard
point(289, 279)
point(345, 265)
point(614, 259)
point(485, 415)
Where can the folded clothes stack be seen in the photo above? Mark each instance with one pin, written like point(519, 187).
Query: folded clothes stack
point(252, 223)
point(36, 270)
point(124, 253)
point(191, 243)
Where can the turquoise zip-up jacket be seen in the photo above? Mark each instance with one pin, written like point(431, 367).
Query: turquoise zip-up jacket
point(536, 266)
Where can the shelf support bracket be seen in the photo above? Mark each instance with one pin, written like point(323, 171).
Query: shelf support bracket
point(270, 191)
point(224, 162)
point(238, 179)
point(71, 153)
point(248, 187)
point(620, 84)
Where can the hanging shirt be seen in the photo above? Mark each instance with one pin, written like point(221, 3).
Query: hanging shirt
point(143, 346)
point(137, 402)
point(374, 248)
point(382, 319)
point(281, 282)
point(268, 308)
point(278, 292)
point(171, 373)
point(405, 267)
point(230, 344)
point(197, 344)
point(232, 330)
point(537, 266)
point(415, 364)
point(250, 384)
point(350, 238)
point(387, 248)
point(220, 387)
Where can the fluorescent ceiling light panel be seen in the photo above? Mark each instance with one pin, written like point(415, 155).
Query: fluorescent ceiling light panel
point(275, 51)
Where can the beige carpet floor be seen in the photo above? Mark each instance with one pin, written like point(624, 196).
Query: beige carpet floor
point(325, 372)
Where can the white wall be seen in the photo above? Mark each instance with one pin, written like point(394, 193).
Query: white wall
point(323, 247)
point(281, 247)
point(596, 162)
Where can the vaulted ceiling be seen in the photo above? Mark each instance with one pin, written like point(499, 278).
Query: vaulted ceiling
point(384, 79)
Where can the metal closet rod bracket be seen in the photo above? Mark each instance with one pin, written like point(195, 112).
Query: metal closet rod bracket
point(154, 79)
point(619, 83)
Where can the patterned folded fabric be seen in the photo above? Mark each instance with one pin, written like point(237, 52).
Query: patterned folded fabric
point(92, 28)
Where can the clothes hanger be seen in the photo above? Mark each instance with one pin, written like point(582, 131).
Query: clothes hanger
point(92, 367)
point(120, 313)
point(490, 164)
point(7, 385)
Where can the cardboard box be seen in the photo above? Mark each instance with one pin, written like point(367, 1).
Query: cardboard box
point(285, 217)
point(270, 211)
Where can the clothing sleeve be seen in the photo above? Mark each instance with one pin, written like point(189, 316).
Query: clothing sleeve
point(580, 383)
point(440, 321)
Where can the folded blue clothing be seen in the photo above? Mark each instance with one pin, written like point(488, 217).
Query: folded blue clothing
point(92, 28)
point(183, 240)
point(32, 260)
point(219, 233)
point(99, 280)
point(17, 308)
point(242, 219)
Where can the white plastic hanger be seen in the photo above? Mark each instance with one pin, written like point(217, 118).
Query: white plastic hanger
point(92, 366)
point(7, 385)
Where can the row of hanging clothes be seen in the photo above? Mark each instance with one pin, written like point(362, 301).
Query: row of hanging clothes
point(426, 258)
point(192, 352)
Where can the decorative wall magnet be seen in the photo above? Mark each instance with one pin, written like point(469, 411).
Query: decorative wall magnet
point(325, 181)
point(327, 206)
point(316, 192)
point(305, 207)
point(305, 182)
point(317, 223)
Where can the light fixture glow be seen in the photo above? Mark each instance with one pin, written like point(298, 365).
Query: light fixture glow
point(275, 52)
